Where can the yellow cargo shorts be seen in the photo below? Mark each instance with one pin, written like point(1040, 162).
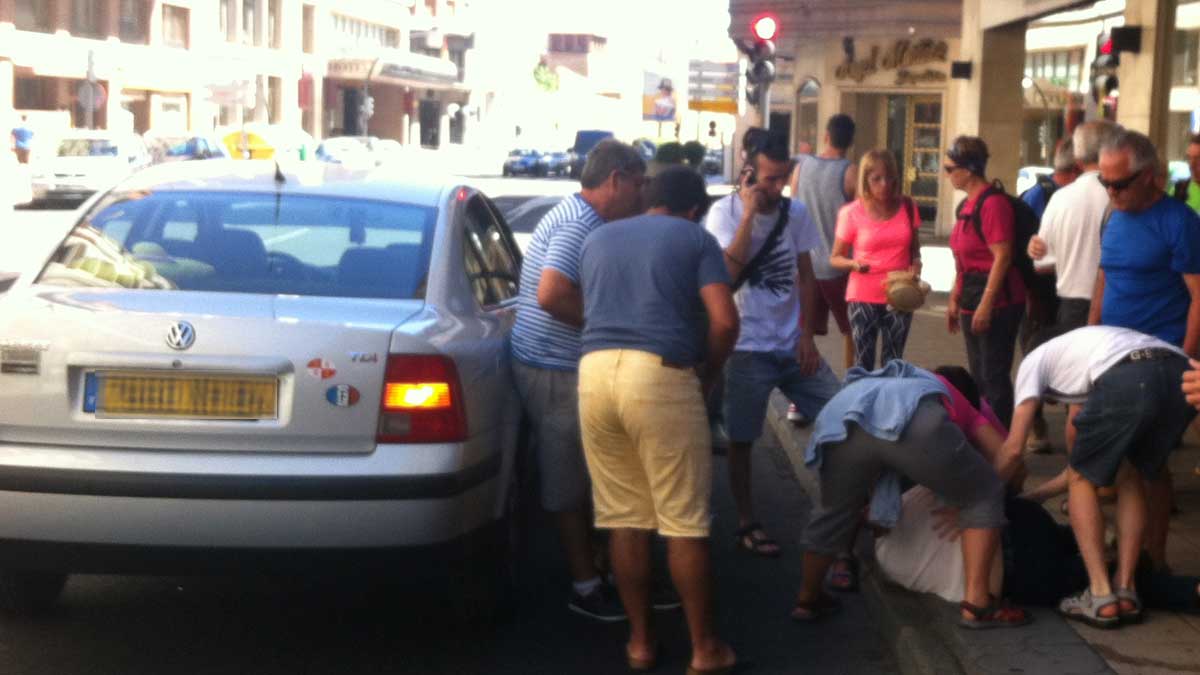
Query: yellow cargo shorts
point(646, 442)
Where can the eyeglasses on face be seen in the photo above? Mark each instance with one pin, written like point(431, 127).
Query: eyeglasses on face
point(1122, 184)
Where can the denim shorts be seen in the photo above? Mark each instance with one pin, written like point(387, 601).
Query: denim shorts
point(1135, 411)
point(749, 379)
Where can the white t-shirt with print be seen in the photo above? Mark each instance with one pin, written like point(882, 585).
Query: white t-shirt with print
point(1066, 367)
point(769, 302)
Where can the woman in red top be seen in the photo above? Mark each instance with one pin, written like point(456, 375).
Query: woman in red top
point(988, 299)
point(881, 228)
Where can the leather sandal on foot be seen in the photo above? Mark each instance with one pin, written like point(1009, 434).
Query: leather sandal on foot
point(1086, 608)
point(808, 612)
point(758, 545)
point(1128, 595)
point(995, 615)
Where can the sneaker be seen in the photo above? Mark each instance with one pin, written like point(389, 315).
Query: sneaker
point(601, 604)
point(796, 417)
point(664, 598)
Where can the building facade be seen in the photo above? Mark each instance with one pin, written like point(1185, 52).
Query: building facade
point(179, 65)
point(1018, 73)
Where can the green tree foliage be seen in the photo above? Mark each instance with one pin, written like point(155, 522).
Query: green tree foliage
point(545, 77)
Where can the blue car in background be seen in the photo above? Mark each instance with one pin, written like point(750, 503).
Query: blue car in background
point(523, 163)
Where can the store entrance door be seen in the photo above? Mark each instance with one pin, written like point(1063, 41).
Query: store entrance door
point(914, 135)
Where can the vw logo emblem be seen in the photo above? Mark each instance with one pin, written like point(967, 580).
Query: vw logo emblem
point(181, 335)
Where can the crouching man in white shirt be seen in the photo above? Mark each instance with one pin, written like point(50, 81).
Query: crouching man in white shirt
point(1133, 416)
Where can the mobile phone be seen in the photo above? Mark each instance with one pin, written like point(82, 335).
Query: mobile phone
point(750, 174)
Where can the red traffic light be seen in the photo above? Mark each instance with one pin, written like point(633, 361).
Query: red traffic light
point(765, 27)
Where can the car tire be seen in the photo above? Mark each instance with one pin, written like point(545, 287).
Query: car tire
point(30, 593)
point(506, 172)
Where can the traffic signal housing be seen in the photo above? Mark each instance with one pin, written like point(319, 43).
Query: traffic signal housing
point(760, 72)
point(1104, 68)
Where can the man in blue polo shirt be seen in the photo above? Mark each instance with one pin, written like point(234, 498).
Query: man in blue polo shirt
point(546, 353)
point(1149, 278)
point(22, 139)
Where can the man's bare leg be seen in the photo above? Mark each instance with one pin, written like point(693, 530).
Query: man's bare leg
point(574, 528)
point(1159, 495)
point(739, 485)
point(691, 571)
point(814, 567)
point(1131, 524)
point(1088, 524)
point(629, 551)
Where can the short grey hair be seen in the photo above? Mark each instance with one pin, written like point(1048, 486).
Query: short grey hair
point(1089, 137)
point(1139, 146)
point(1064, 157)
point(608, 156)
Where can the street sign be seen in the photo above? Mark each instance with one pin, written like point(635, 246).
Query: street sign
point(91, 95)
point(713, 86)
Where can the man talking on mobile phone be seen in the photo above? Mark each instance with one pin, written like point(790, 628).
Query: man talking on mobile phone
point(766, 240)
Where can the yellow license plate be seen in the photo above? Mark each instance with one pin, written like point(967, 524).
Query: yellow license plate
point(191, 396)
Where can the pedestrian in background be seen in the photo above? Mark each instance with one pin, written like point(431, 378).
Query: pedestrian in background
point(988, 297)
point(1149, 277)
point(767, 240)
point(1068, 242)
point(1188, 189)
point(825, 183)
point(546, 348)
point(877, 235)
point(22, 140)
point(659, 322)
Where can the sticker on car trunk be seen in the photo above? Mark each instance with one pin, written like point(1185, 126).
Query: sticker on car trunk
point(342, 395)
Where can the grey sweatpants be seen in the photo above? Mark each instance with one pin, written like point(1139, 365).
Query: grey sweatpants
point(932, 452)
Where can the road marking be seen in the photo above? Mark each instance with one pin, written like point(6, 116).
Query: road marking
point(285, 237)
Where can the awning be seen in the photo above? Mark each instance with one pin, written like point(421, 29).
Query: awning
point(401, 68)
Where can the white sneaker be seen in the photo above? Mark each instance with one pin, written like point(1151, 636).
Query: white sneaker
point(796, 417)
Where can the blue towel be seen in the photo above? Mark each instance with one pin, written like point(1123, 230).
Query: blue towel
point(881, 402)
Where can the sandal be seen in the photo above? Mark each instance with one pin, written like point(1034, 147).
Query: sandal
point(760, 545)
point(1086, 608)
point(808, 612)
point(843, 575)
point(995, 615)
point(1128, 595)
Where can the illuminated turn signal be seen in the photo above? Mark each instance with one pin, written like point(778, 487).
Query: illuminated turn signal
point(416, 395)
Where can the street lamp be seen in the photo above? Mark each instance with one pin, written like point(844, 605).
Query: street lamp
point(1026, 83)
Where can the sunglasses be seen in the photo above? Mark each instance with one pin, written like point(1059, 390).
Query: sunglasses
point(1119, 185)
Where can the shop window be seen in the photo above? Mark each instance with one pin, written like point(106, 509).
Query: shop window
point(1061, 68)
point(309, 19)
point(86, 20)
point(175, 26)
point(33, 15)
point(1184, 58)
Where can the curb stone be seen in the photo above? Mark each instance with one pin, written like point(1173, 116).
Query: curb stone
point(922, 630)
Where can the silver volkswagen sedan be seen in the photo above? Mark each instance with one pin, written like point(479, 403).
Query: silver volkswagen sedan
point(237, 363)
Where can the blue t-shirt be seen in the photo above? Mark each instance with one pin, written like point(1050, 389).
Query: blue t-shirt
point(641, 286)
point(1144, 256)
point(537, 338)
point(21, 137)
point(1037, 199)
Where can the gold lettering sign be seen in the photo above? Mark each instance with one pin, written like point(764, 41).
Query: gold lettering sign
point(900, 56)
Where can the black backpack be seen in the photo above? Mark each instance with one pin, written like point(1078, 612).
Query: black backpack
point(1025, 225)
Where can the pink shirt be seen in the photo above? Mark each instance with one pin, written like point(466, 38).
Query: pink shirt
point(971, 254)
point(965, 416)
point(884, 245)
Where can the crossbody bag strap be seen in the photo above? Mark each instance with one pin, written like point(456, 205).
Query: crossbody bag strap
point(768, 244)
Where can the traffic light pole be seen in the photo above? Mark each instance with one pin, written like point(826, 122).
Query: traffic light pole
point(766, 106)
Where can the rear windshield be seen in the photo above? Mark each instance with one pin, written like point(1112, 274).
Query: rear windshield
point(249, 243)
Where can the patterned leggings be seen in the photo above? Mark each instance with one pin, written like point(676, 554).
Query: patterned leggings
point(868, 319)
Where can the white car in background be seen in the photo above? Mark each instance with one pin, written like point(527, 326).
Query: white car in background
point(85, 162)
point(1027, 176)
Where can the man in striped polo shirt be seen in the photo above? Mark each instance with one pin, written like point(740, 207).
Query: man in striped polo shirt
point(546, 354)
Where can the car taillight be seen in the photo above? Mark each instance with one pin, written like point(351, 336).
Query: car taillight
point(422, 401)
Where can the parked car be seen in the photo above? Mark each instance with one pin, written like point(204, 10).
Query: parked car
point(225, 366)
point(554, 163)
point(350, 151)
point(523, 162)
point(525, 213)
point(584, 142)
point(714, 162)
point(85, 162)
point(179, 147)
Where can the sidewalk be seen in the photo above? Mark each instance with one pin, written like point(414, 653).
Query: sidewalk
point(921, 628)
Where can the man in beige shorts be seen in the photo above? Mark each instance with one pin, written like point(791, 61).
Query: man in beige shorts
point(648, 284)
